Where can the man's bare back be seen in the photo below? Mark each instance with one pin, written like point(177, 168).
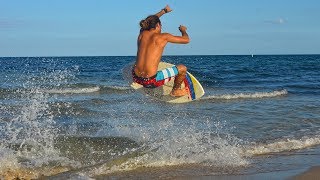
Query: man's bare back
point(150, 49)
point(151, 43)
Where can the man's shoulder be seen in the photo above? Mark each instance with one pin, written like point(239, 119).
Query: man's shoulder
point(165, 35)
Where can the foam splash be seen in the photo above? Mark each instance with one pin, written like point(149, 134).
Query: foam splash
point(28, 138)
point(27, 135)
point(168, 145)
point(256, 95)
point(199, 148)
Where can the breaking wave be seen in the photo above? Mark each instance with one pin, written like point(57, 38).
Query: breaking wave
point(255, 95)
point(282, 146)
point(86, 90)
point(73, 90)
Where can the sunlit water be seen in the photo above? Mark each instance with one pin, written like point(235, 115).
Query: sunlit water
point(77, 115)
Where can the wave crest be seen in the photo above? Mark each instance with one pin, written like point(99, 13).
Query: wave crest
point(281, 146)
point(255, 95)
point(120, 88)
point(73, 90)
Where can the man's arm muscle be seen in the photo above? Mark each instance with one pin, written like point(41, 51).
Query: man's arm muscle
point(184, 39)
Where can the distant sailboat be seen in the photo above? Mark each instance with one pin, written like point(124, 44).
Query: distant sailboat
point(251, 55)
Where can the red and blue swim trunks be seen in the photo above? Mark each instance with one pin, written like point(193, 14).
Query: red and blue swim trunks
point(159, 79)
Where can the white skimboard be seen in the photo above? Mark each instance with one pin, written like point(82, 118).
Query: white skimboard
point(195, 90)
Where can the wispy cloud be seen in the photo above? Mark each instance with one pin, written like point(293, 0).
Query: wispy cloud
point(276, 21)
point(6, 23)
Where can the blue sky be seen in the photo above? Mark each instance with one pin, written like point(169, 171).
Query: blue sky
point(110, 27)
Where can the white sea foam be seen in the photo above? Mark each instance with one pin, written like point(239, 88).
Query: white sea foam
point(281, 146)
point(27, 137)
point(188, 150)
point(169, 146)
point(189, 146)
point(247, 95)
point(73, 90)
point(8, 159)
point(32, 131)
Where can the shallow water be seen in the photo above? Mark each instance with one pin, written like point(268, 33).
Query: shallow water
point(77, 115)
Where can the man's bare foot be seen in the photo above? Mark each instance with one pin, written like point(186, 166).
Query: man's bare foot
point(178, 92)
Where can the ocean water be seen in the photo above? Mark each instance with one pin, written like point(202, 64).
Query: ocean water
point(76, 118)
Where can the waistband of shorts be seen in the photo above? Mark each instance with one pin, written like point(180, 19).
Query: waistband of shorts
point(142, 78)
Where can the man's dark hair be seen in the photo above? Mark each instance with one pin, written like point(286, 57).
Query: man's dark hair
point(150, 22)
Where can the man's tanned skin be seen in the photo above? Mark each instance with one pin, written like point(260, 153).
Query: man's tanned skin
point(151, 44)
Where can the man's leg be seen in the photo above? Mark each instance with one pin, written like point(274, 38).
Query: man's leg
point(177, 91)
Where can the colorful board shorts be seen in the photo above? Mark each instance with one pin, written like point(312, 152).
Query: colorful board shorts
point(158, 79)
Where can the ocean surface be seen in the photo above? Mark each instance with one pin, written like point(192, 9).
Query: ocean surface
point(77, 118)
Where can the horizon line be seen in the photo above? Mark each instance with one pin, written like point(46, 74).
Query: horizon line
point(162, 56)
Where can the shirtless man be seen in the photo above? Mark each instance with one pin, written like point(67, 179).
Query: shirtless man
point(151, 43)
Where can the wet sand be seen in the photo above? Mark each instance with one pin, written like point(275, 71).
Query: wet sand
point(311, 174)
point(203, 174)
point(172, 172)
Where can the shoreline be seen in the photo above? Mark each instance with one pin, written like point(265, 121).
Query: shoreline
point(188, 173)
point(166, 55)
point(311, 173)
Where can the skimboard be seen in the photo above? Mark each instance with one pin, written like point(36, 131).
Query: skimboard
point(195, 90)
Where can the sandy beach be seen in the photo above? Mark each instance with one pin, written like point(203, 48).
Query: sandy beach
point(310, 174)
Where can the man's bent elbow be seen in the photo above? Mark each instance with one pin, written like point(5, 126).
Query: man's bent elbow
point(186, 41)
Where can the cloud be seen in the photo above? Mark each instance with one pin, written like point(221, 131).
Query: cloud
point(276, 21)
point(5, 23)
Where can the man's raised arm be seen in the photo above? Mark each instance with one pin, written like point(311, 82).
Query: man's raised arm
point(183, 39)
point(163, 11)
